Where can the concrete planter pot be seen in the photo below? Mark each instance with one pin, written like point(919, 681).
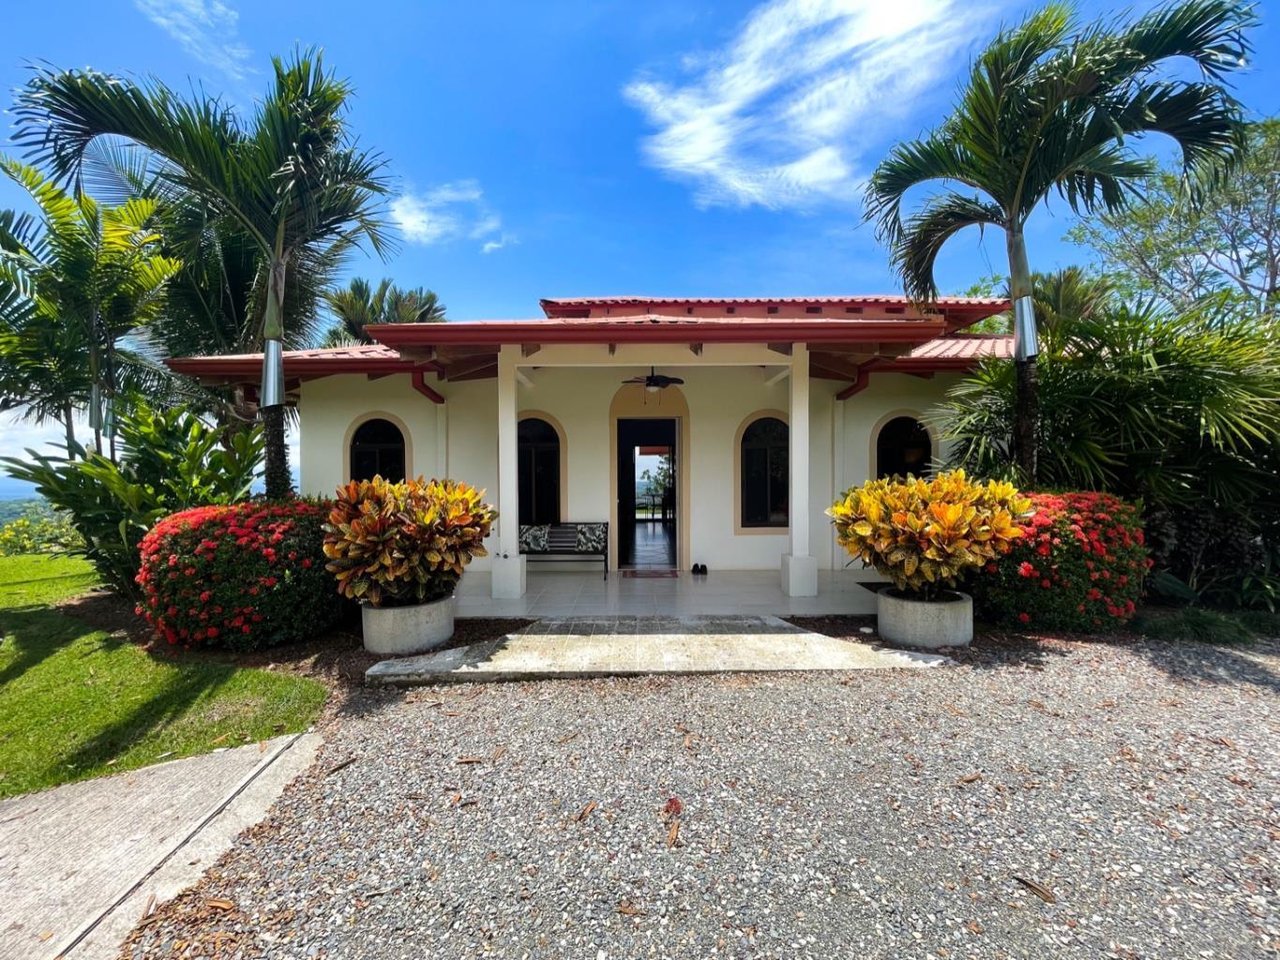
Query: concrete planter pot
point(929, 624)
point(400, 631)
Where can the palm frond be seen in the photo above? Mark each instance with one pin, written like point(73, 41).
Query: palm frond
point(924, 235)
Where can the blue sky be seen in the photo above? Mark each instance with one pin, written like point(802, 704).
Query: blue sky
point(565, 148)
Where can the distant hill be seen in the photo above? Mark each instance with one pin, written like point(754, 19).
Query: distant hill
point(11, 489)
point(13, 509)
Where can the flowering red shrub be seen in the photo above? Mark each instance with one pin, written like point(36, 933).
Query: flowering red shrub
point(247, 575)
point(1080, 566)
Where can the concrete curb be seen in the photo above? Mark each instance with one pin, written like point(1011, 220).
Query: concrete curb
point(241, 807)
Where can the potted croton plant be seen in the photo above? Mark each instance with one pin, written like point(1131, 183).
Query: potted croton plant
point(400, 549)
point(926, 534)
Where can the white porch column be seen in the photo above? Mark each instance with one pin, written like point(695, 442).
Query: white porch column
point(508, 565)
point(799, 568)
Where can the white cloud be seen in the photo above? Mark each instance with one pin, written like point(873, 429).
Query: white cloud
point(503, 240)
point(207, 29)
point(782, 115)
point(420, 222)
point(17, 435)
point(448, 212)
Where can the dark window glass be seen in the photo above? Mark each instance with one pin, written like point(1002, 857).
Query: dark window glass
point(903, 447)
point(765, 473)
point(377, 449)
point(538, 458)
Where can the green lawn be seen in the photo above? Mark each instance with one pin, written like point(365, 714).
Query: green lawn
point(76, 702)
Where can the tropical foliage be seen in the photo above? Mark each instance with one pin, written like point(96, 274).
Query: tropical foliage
point(1137, 401)
point(1179, 412)
point(358, 306)
point(1051, 107)
point(169, 460)
point(395, 544)
point(75, 283)
point(926, 534)
point(1222, 247)
point(238, 575)
point(291, 179)
point(1080, 566)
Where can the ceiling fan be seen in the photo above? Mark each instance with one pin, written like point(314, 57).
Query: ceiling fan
point(655, 381)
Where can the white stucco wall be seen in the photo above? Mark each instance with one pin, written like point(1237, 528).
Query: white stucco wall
point(459, 439)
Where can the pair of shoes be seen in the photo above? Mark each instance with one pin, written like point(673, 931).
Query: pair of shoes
point(700, 569)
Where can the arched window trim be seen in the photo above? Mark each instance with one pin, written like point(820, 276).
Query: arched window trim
point(755, 530)
point(558, 427)
point(873, 459)
point(364, 418)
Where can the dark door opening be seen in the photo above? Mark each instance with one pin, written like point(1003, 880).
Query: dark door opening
point(647, 502)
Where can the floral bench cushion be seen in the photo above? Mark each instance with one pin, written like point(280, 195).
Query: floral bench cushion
point(592, 537)
point(533, 538)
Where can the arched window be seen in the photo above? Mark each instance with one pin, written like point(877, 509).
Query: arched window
point(765, 473)
point(903, 447)
point(538, 446)
point(377, 449)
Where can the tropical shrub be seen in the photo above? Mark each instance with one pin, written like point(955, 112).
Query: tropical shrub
point(243, 575)
point(397, 544)
point(169, 460)
point(39, 529)
point(1080, 566)
point(1175, 411)
point(926, 533)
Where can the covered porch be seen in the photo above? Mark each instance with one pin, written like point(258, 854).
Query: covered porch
point(730, 592)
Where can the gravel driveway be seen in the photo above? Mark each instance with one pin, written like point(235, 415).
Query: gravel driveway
point(879, 814)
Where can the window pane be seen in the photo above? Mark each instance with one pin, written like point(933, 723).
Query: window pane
point(391, 464)
point(546, 485)
point(903, 447)
point(765, 473)
point(364, 464)
point(755, 487)
point(538, 461)
point(767, 431)
point(778, 486)
point(377, 449)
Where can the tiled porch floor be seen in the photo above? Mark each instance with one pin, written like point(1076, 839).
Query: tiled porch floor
point(743, 592)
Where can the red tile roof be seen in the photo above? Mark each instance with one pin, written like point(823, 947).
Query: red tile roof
point(654, 328)
point(951, 352)
point(964, 346)
point(320, 362)
point(877, 299)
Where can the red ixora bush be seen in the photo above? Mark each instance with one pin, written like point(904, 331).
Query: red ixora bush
point(248, 575)
point(1080, 566)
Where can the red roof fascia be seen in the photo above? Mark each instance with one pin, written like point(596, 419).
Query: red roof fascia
point(675, 330)
point(957, 352)
point(301, 366)
point(861, 300)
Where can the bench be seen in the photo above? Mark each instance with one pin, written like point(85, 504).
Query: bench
point(566, 542)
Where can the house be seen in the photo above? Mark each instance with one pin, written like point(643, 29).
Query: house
point(764, 409)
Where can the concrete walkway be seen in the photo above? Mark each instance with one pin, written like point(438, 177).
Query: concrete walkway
point(629, 645)
point(81, 864)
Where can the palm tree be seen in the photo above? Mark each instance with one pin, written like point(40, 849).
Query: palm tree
point(221, 284)
point(1063, 298)
point(292, 178)
point(357, 306)
point(74, 284)
point(1050, 107)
